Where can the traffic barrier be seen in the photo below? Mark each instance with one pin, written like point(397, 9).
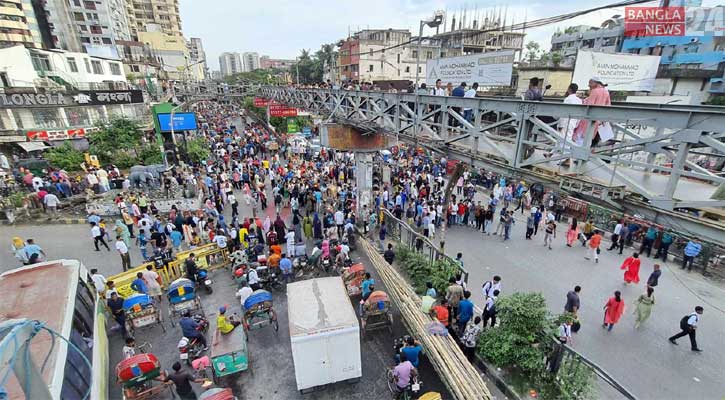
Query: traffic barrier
point(208, 256)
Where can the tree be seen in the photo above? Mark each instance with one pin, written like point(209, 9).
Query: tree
point(65, 157)
point(121, 134)
point(556, 58)
point(532, 51)
point(197, 149)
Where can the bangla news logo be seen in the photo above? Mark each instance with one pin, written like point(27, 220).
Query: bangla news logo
point(654, 21)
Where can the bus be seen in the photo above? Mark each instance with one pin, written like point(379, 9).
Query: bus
point(59, 294)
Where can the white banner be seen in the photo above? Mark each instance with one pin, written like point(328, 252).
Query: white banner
point(487, 69)
point(627, 72)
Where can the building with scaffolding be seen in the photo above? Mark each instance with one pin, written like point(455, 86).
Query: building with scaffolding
point(479, 32)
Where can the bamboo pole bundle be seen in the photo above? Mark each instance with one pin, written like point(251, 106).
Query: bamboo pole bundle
point(461, 378)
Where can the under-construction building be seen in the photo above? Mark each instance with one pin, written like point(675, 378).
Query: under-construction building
point(479, 32)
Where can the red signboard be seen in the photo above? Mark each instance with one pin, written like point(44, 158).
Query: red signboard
point(260, 102)
point(654, 21)
point(45, 136)
point(280, 110)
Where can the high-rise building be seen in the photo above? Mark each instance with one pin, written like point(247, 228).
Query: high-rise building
point(90, 26)
point(251, 61)
point(197, 55)
point(18, 25)
point(230, 64)
point(171, 52)
point(165, 13)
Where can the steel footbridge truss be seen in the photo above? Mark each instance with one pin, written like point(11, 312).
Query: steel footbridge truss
point(671, 156)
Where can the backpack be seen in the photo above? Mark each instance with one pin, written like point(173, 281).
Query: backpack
point(683, 322)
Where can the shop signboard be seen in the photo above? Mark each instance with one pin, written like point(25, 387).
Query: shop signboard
point(182, 122)
point(79, 98)
point(280, 110)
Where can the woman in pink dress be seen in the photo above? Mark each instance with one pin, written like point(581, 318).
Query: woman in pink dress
point(631, 267)
point(613, 310)
point(572, 233)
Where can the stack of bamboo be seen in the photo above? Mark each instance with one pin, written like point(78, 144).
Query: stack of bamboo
point(461, 378)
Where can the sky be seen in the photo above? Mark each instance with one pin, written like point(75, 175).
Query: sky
point(281, 28)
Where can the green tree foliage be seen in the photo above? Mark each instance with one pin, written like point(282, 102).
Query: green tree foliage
point(532, 51)
point(420, 270)
point(65, 157)
point(197, 149)
point(151, 154)
point(119, 134)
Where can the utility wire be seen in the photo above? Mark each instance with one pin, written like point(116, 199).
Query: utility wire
point(522, 25)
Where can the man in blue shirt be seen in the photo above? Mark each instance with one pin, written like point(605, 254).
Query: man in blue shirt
point(176, 238)
point(412, 351)
point(139, 284)
point(692, 250)
point(465, 311)
point(366, 283)
point(459, 91)
point(285, 265)
point(32, 252)
point(190, 329)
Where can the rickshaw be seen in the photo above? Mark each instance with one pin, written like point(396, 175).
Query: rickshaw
point(229, 354)
point(182, 296)
point(140, 312)
point(353, 277)
point(137, 375)
point(258, 311)
point(376, 313)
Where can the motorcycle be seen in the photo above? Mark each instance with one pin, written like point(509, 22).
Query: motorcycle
point(269, 279)
point(202, 278)
point(191, 348)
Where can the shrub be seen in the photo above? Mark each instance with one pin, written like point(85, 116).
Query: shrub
point(65, 157)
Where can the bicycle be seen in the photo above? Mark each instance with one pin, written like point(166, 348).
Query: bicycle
point(405, 394)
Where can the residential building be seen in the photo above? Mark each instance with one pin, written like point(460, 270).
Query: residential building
point(230, 64)
point(692, 66)
point(250, 61)
point(272, 63)
point(51, 95)
point(164, 13)
point(18, 24)
point(606, 38)
point(361, 57)
point(216, 75)
point(90, 26)
point(197, 57)
point(140, 65)
point(171, 53)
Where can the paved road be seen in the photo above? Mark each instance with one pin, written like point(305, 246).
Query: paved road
point(271, 374)
point(642, 360)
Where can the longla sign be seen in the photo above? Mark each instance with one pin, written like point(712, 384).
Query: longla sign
point(32, 99)
point(626, 72)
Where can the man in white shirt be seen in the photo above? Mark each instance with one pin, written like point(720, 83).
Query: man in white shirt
point(470, 93)
point(99, 281)
point(220, 240)
point(439, 90)
point(290, 237)
point(97, 236)
point(151, 278)
point(688, 325)
point(253, 279)
point(244, 293)
point(93, 181)
point(123, 251)
point(615, 235)
point(490, 286)
point(51, 203)
point(37, 183)
point(340, 222)
point(566, 124)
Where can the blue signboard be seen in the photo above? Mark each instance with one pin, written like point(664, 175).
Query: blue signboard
point(307, 131)
point(182, 122)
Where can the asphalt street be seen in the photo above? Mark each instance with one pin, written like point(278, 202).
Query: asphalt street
point(642, 360)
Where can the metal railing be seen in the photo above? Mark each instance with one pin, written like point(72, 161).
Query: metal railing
point(565, 362)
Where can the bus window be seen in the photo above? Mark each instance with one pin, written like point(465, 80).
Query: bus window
point(77, 377)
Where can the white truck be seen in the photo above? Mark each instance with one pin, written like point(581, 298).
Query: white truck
point(324, 332)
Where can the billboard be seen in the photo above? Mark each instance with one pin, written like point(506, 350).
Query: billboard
point(261, 102)
point(487, 69)
point(627, 72)
point(280, 110)
point(182, 122)
point(292, 125)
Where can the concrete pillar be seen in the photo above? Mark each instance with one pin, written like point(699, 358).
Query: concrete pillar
point(364, 183)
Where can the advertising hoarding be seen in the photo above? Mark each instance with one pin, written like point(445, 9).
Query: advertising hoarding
point(182, 122)
point(626, 72)
point(487, 69)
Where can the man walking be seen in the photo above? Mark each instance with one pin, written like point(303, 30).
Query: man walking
point(123, 251)
point(594, 243)
point(97, 235)
point(572, 300)
point(688, 324)
point(615, 236)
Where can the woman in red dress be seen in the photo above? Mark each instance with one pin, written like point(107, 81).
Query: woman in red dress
point(631, 267)
point(613, 310)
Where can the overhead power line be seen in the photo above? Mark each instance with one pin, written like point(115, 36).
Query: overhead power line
point(537, 23)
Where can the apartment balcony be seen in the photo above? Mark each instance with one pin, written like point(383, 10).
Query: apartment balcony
point(16, 38)
point(11, 11)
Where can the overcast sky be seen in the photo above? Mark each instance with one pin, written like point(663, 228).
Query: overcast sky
point(281, 28)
